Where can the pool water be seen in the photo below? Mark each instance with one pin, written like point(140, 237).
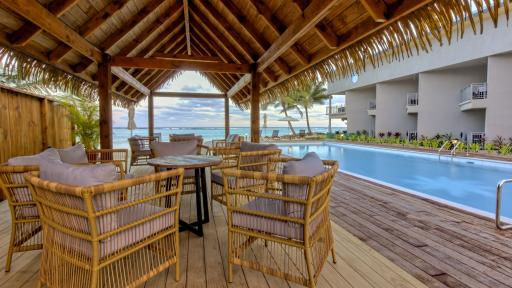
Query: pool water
point(465, 182)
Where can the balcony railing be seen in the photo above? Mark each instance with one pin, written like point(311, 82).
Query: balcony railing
point(372, 105)
point(474, 91)
point(412, 99)
point(337, 109)
point(477, 137)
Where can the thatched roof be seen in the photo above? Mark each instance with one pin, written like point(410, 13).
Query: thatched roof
point(291, 42)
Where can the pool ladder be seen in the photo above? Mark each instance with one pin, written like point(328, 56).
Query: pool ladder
point(499, 190)
point(452, 151)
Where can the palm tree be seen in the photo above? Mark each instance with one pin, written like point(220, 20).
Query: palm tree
point(285, 104)
point(307, 98)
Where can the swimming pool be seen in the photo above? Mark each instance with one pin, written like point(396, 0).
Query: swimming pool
point(467, 183)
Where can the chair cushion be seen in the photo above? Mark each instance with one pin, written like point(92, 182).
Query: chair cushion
point(251, 147)
point(310, 165)
point(217, 177)
point(50, 154)
point(73, 155)
point(174, 148)
point(179, 138)
point(272, 226)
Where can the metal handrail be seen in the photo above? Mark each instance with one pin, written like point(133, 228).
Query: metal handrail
point(442, 147)
point(454, 149)
point(499, 190)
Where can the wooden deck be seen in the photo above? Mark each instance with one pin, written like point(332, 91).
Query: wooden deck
point(383, 238)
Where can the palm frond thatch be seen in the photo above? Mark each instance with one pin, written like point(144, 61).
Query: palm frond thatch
point(23, 68)
point(439, 21)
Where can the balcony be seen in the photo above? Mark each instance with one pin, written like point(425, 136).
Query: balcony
point(372, 108)
point(473, 96)
point(337, 111)
point(412, 103)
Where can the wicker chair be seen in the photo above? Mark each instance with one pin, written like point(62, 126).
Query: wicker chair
point(109, 156)
point(232, 141)
point(233, 158)
point(25, 222)
point(140, 150)
point(95, 238)
point(291, 237)
point(186, 137)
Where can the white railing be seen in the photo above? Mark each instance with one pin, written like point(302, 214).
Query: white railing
point(412, 99)
point(337, 109)
point(372, 105)
point(474, 91)
point(477, 137)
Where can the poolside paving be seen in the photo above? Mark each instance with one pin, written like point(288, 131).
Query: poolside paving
point(383, 238)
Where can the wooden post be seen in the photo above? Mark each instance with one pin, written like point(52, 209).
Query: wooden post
point(226, 117)
point(151, 115)
point(330, 111)
point(255, 105)
point(105, 99)
point(44, 124)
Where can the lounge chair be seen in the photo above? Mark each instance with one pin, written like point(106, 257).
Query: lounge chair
point(285, 215)
point(93, 238)
point(249, 157)
point(302, 133)
point(275, 134)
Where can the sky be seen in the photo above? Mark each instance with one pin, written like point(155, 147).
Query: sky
point(178, 112)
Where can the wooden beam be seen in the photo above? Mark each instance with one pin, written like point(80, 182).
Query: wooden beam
point(45, 141)
point(313, 14)
point(190, 95)
point(105, 102)
point(151, 116)
point(36, 13)
point(187, 25)
point(28, 30)
point(376, 8)
point(226, 117)
point(170, 64)
point(128, 78)
point(244, 81)
point(213, 59)
point(255, 106)
point(88, 28)
point(127, 27)
point(328, 36)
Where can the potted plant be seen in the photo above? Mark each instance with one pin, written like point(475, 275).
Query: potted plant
point(84, 117)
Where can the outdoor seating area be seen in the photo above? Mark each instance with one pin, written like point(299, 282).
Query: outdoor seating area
point(85, 203)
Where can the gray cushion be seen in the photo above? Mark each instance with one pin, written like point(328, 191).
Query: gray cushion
point(50, 154)
point(78, 175)
point(174, 148)
point(251, 147)
point(217, 178)
point(186, 134)
point(310, 165)
point(73, 155)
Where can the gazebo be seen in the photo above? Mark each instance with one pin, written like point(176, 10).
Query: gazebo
point(119, 52)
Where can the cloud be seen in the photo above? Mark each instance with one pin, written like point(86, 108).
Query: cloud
point(180, 112)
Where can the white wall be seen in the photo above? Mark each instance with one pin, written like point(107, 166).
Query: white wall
point(391, 99)
point(356, 102)
point(472, 46)
point(439, 96)
point(498, 120)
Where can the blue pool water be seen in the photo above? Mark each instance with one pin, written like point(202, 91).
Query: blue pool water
point(465, 182)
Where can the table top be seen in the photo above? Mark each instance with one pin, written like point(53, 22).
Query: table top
point(185, 161)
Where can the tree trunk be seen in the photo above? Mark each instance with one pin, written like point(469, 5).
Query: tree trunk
point(307, 120)
point(289, 122)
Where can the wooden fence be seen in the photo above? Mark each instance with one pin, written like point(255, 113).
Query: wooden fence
point(30, 123)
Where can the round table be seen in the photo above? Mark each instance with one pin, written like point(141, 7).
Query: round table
point(199, 164)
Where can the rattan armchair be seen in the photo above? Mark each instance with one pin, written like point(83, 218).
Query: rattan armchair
point(232, 141)
point(234, 158)
point(25, 223)
point(95, 238)
point(140, 151)
point(109, 156)
point(284, 234)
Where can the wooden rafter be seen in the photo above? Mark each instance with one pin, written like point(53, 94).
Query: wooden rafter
point(178, 64)
point(112, 39)
point(88, 28)
point(376, 8)
point(244, 81)
point(328, 36)
point(126, 77)
point(187, 25)
point(188, 57)
point(37, 14)
point(28, 30)
point(313, 14)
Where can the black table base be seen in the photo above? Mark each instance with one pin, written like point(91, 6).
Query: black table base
point(201, 210)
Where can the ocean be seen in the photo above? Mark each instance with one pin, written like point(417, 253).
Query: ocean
point(121, 135)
